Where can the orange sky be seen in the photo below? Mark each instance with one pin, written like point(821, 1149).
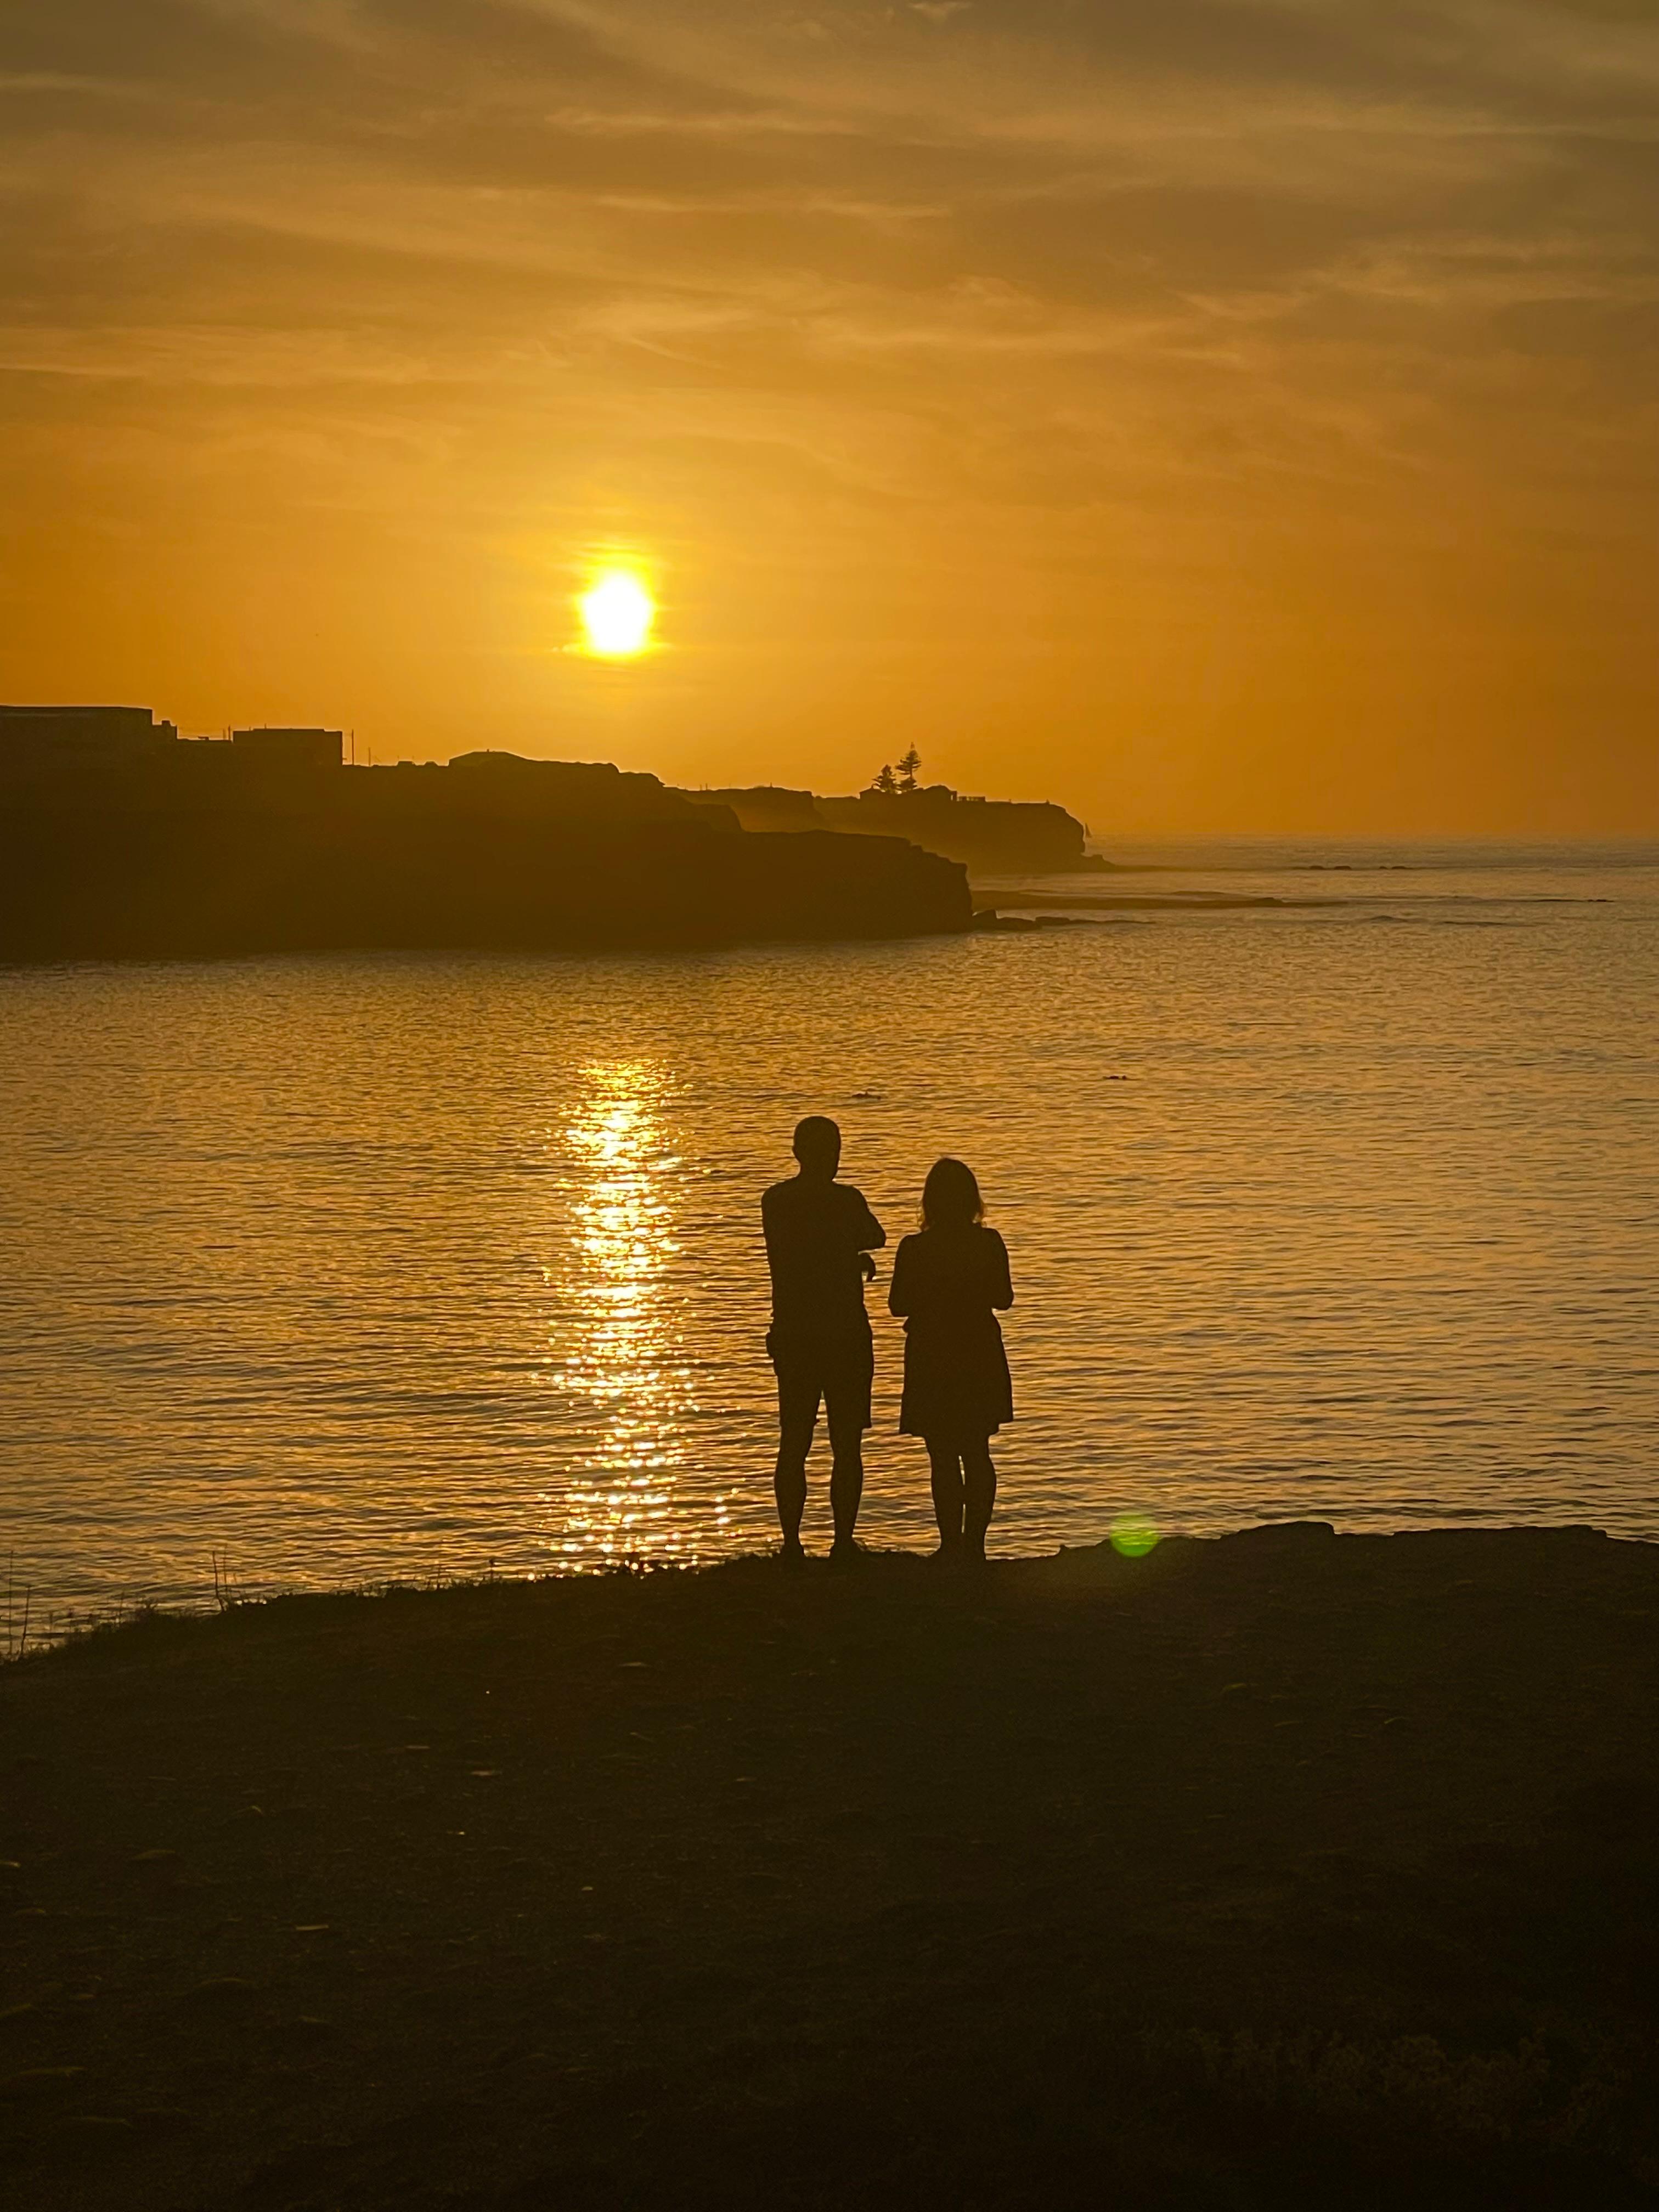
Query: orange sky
point(1224, 414)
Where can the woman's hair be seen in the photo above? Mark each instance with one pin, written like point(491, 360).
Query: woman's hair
point(949, 1197)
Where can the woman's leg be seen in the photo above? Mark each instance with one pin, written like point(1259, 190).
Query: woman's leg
point(979, 1484)
point(947, 1494)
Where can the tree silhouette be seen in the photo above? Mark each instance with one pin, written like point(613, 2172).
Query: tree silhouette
point(908, 769)
point(886, 785)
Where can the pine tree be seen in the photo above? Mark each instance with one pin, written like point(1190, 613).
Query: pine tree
point(908, 768)
point(886, 785)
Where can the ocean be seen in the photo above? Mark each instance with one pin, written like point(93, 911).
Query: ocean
point(1329, 1174)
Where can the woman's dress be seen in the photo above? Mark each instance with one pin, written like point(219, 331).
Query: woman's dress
point(947, 1283)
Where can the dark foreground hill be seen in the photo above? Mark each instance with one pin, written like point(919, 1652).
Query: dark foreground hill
point(190, 849)
point(1283, 1870)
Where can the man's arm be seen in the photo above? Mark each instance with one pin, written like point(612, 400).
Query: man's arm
point(868, 1235)
point(770, 1228)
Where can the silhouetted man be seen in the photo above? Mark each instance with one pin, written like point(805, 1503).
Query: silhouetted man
point(819, 1233)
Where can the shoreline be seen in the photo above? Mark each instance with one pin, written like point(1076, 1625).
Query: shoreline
point(1275, 1866)
point(56, 1624)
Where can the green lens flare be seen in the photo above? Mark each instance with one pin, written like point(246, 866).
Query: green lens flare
point(1133, 1536)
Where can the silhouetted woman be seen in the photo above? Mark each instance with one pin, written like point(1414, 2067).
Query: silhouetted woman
point(947, 1283)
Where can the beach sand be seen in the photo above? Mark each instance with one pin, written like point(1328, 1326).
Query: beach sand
point(1282, 1869)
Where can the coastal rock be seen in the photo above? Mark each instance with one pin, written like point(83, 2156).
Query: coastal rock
point(174, 849)
point(991, 835)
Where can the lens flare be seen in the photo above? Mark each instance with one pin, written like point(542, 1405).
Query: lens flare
point(618, 612)
point(1133, 1536)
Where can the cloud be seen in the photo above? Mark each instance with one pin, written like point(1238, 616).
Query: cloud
point(1223, 271)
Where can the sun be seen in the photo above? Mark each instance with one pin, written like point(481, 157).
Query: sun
point(618, 612)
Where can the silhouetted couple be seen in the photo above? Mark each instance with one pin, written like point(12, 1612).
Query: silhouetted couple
point(948, 1281)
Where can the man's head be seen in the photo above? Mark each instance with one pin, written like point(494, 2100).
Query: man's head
point(818, 1145)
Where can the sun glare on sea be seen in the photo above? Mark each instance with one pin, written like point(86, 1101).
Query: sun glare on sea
point(618, 612)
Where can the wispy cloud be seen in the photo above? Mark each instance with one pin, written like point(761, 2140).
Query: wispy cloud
point(1120, 284)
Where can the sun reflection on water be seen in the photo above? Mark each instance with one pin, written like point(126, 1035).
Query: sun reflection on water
point(618, 1350)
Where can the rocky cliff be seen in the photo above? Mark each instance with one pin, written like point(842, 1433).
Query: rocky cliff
point(991, 837)
point(193, 856)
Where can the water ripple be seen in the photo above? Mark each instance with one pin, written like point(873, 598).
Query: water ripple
point(360, 1266)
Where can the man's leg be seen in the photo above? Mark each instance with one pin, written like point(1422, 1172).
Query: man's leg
point(846, 1473)
point(798, 1418)
point(847, 1404)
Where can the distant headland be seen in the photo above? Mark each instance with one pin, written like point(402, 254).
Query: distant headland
point(989, 836)
point(119, 838)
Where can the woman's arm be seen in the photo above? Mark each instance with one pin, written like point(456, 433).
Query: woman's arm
point(1002, 1282)
point(898, 1289)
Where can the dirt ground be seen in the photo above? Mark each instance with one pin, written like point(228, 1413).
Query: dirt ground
point(1284, 1869)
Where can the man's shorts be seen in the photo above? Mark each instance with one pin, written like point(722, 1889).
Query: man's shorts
point(836, 1371)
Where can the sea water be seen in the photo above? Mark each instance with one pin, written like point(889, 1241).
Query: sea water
point(1330, 1177)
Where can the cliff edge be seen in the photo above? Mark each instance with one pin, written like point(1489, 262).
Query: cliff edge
point(990, 836)
point(149, 845)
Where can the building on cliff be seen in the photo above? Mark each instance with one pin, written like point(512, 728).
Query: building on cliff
point(118, 839)
point(301, 750)
point(81, 737)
